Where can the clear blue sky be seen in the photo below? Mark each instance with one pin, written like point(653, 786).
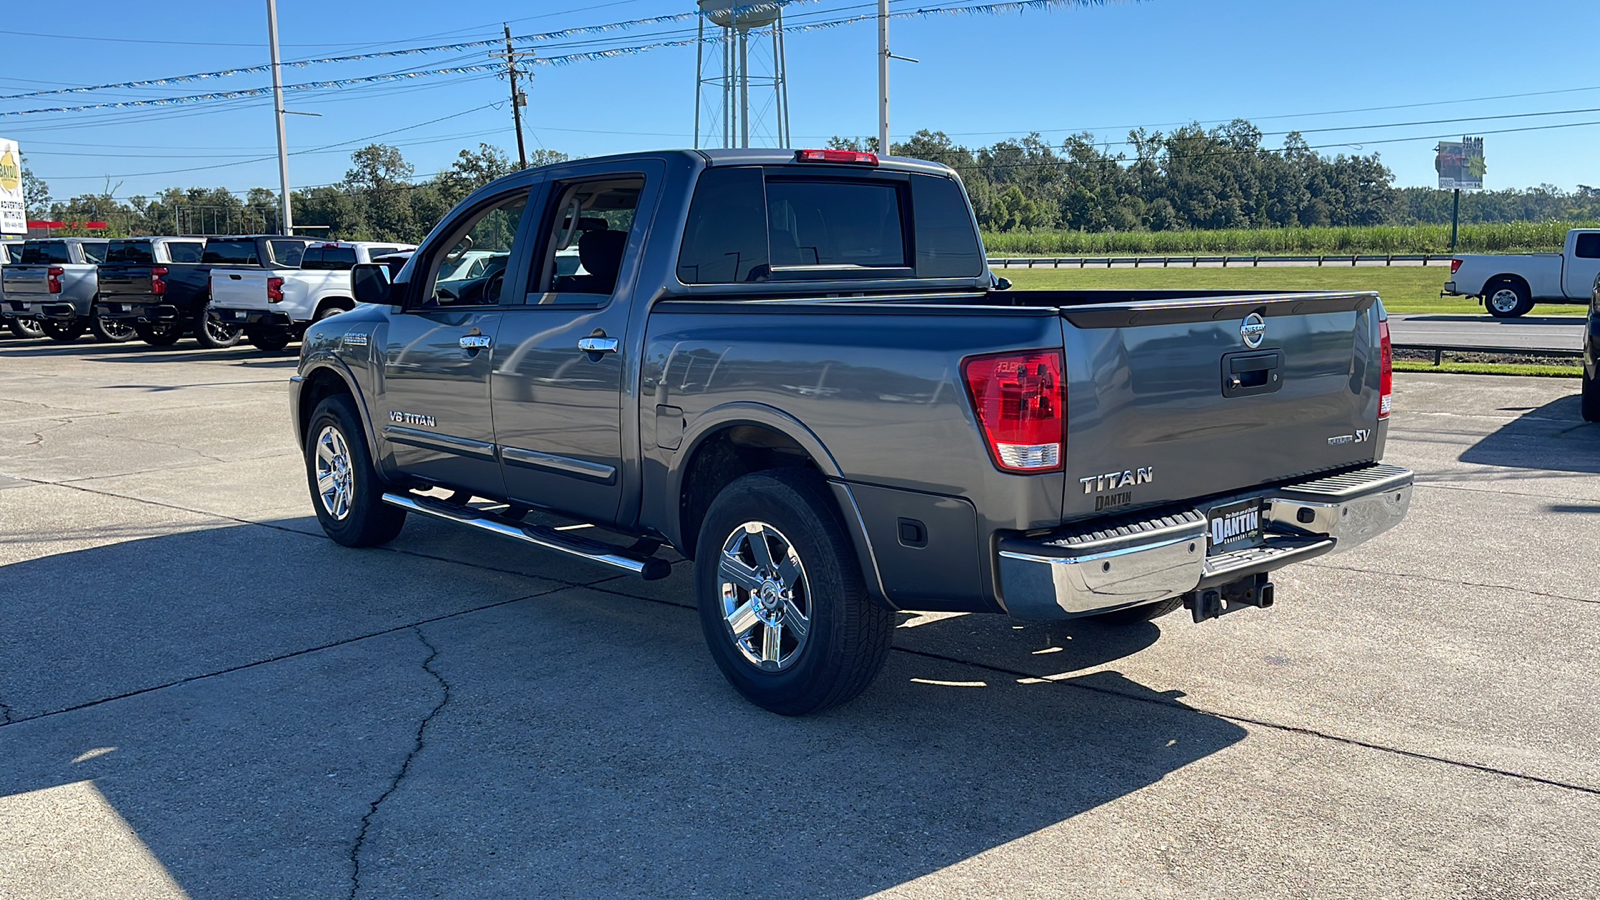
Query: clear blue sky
point(981, 78)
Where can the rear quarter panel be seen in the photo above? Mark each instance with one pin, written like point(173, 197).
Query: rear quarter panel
point(878, 386)
point(1542, 272)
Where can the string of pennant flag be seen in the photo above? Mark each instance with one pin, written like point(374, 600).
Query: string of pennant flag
point(1003, 8)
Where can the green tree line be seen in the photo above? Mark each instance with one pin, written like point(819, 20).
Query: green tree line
point(1188, 179)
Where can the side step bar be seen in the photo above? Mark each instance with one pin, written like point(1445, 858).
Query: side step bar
point(647, 567)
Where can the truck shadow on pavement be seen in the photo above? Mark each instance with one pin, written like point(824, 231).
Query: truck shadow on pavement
point(1553, 437)
point(138, 351)
point(296, 719)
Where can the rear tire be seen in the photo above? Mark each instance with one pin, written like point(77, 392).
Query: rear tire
point(25, 328)
point(1135, 615)
point(110, 331)
point(163, 335)
point(782, 601)
point(1506, 298)
point(1591, 397)
point(213, 333)
point(267, 337)
point(64, 332)
point(345, 488)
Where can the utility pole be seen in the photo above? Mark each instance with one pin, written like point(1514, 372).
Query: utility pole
point(883, 77)
point(518, 99)
point(285, 214)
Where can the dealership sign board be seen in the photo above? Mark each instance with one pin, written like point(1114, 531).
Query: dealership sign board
point(13, 217)
point(1460, 165)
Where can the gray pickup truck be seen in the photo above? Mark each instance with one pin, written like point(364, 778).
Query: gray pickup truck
point(795, 368)
point(56, 282)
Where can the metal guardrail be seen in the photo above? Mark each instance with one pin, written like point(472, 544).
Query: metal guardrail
point(1165, 262)
point(1439, 350)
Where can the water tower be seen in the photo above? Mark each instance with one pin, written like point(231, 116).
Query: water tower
point(741, 93)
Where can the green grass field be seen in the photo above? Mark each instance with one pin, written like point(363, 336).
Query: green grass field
point(1502, 237)
point(1463, 368)
point(1404, 289)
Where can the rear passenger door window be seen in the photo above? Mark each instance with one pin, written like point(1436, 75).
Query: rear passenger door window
point(585, 234)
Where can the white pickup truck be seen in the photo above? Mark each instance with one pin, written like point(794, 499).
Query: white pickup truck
point(274, 306)
point(1508, 285)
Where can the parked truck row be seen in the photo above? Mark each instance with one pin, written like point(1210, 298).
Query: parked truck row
point(265, 288)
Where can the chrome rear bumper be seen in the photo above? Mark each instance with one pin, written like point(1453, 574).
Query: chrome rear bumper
point(1084, 572)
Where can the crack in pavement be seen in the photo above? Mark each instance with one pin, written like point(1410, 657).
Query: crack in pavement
point(405, 766)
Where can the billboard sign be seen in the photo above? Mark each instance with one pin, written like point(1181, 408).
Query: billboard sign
point(13, 214)
point(1460, 165)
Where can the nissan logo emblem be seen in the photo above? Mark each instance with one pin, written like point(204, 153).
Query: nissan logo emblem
point(1254, 330)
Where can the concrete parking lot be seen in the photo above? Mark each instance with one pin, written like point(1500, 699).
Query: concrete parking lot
point(201, 695)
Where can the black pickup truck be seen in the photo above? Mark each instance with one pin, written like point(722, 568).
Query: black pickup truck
point(162, 285)
point(795, 368)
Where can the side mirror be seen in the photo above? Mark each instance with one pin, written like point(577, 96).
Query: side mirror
point(370, 283)
point(1002, 284)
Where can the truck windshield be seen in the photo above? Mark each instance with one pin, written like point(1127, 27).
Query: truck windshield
point(130, 252)
point(231, 253)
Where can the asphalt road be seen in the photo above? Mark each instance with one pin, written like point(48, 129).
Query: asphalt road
point(1530, 332)
point(201, 695)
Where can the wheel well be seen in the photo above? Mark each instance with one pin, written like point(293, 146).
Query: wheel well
point(719, 459)
point(1515, 280)
point(344, 303)
point(319, 386)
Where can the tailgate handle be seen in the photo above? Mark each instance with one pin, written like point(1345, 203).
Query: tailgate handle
point(235, 277)
point(1245, 374)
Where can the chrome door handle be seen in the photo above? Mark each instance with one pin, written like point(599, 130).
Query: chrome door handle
point(597, 344)
point(475, 342)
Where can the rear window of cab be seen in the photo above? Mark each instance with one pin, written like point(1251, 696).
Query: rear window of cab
point(752, 224)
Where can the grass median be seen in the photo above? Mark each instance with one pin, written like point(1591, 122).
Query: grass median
point(1404, 289)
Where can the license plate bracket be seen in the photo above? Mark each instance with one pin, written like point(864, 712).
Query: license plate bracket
point(1233, 526)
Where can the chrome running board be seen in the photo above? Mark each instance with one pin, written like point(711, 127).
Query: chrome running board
point(649, 568)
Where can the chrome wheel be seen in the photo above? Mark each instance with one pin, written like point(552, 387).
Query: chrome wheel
point(335, 481)
point(1504, 300)
point(766, 600)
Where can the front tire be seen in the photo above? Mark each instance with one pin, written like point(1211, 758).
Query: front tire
point(163, 335)
point(1507, 299)
point(345, 488)
point(63, 332)
point(28, 329)
point(110, 331)
point(782, 601)
point(1591, 397)
point(267, 337)
point(213, 333)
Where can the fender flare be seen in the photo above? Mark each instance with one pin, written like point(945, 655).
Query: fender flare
point(324, 361)
point(747, 412)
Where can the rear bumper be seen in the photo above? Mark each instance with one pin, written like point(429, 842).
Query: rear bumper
point(1077, 573)
point(41, 309)
point(148, 313)
point(252, 317)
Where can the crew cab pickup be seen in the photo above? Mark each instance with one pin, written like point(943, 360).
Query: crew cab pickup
point(796, 369)
point(19, 327)
point(275, 306)
point(157, 286)
point(166, 305)
point(55, 282)
point(1508, 285)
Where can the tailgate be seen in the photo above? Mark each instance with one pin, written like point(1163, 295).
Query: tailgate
point(1167, 401)
point(131, 283)
point(239, 289)
point(25, 283)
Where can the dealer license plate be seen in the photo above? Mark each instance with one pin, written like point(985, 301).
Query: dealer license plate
point(1234, 526)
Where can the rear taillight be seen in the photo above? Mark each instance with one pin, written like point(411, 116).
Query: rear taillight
point(158, 280)
point(274, 290)
point(53, 276)
point(855, 157)
point(1021, 407)
point(1455, 266)
point(1386, 380)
